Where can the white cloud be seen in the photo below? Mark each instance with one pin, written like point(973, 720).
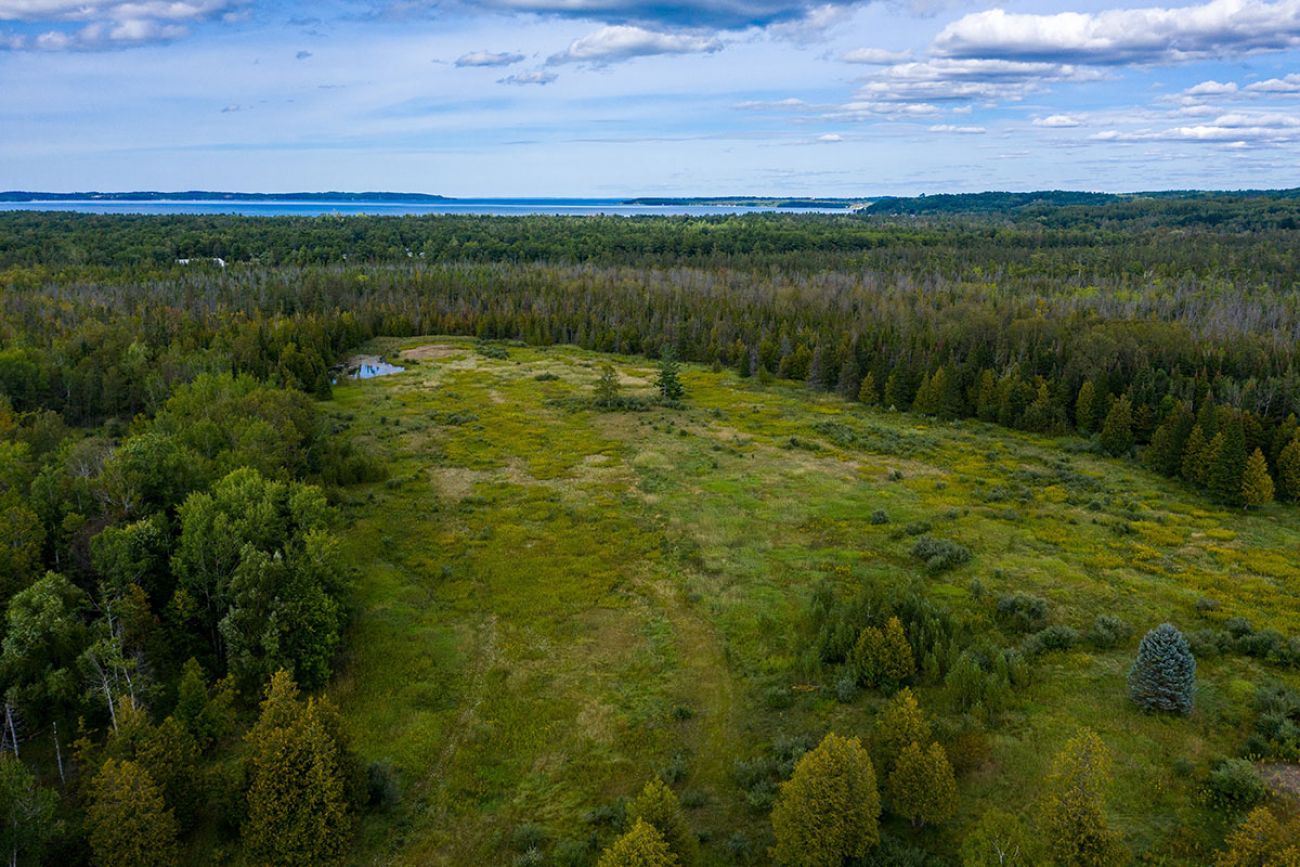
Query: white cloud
point(725, 14)
point(1288, 84)
point(958, 130)
point(623, 42)
point(830, 138)
point(1220, 28)
point(489, 58)
point(949, 80)
point(94, 25)
point(875, 56)
point(537, 76)
point(1212, 88)
point(755, 104)
point(1243, 127)
point(1058, 121)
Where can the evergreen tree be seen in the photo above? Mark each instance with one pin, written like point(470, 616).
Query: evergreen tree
point(848, 383)
point(607, 387)
point(867, 392)
point(926, 401)
point(1165, 454)
point(298, 809)
point(1042, 416)
point(642, 846)
point(746, 364)
point(922, 787)
point(1163, 677)
point(1085, 407)
point(893, 398)
point(986, 397)
point(1256, 483)
point(1117, 430)
point(1262, 840)
point(127, 822)
point(829, 809)
point(27, 813)
point(1193, 468)
point(817, 370)
point(1282, 437)
point(669, 382)
point(1072, 812)
point(883, 657)
point(1227, 462)
point(657, 805)
point(900, 723)
point(1288, 471)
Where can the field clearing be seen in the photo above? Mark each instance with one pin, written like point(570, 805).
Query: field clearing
point(555, 604)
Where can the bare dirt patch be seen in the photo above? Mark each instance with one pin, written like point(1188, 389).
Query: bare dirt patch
point(1282, 777)
point(432, 352)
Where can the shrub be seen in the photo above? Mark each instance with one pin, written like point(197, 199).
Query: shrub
point(1109, 631)
point(879, 517)
point(1052, 639)
point(1021, 612)
point(846, 688)
point(1209, 642)
point(940, 555)
point(1163, 676)
point(1236, 786)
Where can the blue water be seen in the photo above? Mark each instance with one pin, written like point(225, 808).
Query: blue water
point(372, 369)
point(497, 207)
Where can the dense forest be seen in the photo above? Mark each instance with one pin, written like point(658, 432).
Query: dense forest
point(172, 585)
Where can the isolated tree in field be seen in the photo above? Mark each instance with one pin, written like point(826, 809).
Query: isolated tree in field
point(128, 824)
point(643, 846)
point(1256, 483)
point(1117, 430)
point(1262, 840)
point(829, 809)
point(1072, 810)
point(883, 657)
point(922, 787)
point(998, 839)
point(27, 819)
point(607, 387)
point(669, 381)
point(868, 393)
point(298, 809)
point(1288, 471)
point(900, 723)
point(658, 805)
point(1163, 677)
point(1085, 407)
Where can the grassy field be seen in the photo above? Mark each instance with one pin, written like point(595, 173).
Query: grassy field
point(555, 604)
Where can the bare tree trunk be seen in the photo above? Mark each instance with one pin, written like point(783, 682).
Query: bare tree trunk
point(58, 754)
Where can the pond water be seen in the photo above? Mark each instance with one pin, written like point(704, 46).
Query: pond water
point(372, 368)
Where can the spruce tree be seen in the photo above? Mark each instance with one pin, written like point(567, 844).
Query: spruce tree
point(1192, 468)
point(1085, 407)
point(669, 382)
point(1288, 471)
point(1163, 677)
point(127, 822)
point(658, 806)
point(829, 809)
point(848, 383)
point(867, 392)
point(900, 723)
point(1165, 454)
point(1117, 430)
point(986, 396)
point(1227, 462)
point(883, 657)
point(1256, 483)
point(817, 370)
point(922, 787)
point(1072, 810)
point(642, 846)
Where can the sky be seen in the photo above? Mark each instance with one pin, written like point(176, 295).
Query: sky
point(606, 98)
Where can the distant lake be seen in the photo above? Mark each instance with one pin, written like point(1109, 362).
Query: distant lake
point(496, 207)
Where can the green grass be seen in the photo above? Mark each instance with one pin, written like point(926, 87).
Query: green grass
point(540, 586)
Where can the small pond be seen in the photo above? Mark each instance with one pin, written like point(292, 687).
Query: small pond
point(371, 368)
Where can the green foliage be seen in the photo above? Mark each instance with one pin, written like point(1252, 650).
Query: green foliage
point(658, 806)
point(1085, 407)
point(641, 846)
point(607, 387)
point(299, 810)
point(1256, 483)
point(922, 787)
point(127, 822)
point(44, 638)
point(1263, 840)
point(883, 657)
point(1163, 677)
point(940, 555)
point(28, 822)
point(1117, 429)
point(1072, 814)
point(668, 382)
point(1226, 462)
point(1022, 612)
point(1109, 631)
point(829, 810)
point(1235, 786)
point(901, 722)
point(997, 839)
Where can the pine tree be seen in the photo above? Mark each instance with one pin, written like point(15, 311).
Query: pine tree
point(986, 396)
point(642, 846)
point(298, 809)
point(669, 382)
point(899, 724)
point(848, 383)
point(1163, 677)
point(883, 657)
point(1117, 430)
point(829, 809)
point(657, 805)
point(817, 370)
point(1227, 462)
point(1085, 407)
point(607, 387)
point(922, 787)
point(925, 401)
point(127, 822)
point(1256, 483)
point(746, 364)
point(1072, 811)
point(1288, 471)
point(1165, 454)
point(1192, 468)
point(1262, 840)
point(867, 392)
point(893, 397)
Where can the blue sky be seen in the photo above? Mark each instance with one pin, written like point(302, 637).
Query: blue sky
point(624, 97)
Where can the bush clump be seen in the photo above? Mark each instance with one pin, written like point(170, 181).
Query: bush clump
point(1021, 612)
point(1236, 786)
point(940, 555)
point(1109, 631)
point(1049, 640)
